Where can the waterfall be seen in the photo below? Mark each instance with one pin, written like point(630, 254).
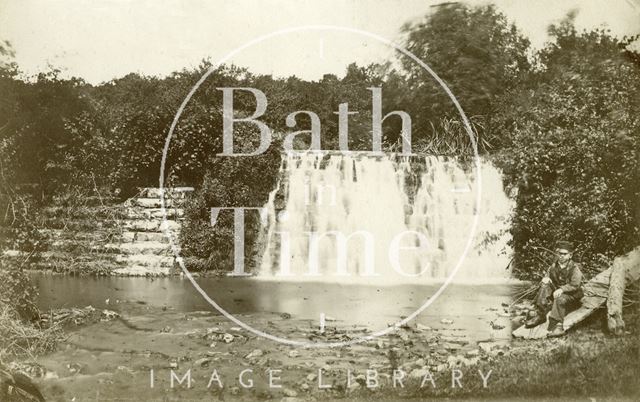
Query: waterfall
point(384, 218)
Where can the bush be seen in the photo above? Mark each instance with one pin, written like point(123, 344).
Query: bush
point(18, 293)
point(228, 182)
point(574, 151)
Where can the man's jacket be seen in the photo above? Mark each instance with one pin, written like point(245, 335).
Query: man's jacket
point(568, 279)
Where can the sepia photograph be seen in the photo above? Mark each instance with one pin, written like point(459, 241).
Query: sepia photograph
point(319, 200)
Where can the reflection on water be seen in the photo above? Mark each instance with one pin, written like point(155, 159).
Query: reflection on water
point(471, 307)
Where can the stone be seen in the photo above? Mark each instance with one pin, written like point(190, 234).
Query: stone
point(214, 330)
point(202, 362)
point(421, 327)
point(289, 392)
point(418, 373)
point(294, 353)
point(254, 353)
point(227, 338)
point(487, 347)
point(473, 353)
point(496, 326)
point(291, 399)
point(446, 321)
point(51, 375)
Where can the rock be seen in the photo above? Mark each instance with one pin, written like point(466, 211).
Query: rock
point(285, 316)
point(291, 399)
point(236, 329)
point(421, 327)
point(74, 368)
point(125, 369)
point(254, 353)
point(212, 345)
point(227, 338)
point(473, 353)
point(214, 330)
point(202, 362)
point(173, 365)
point(108, 315)
point(304, 386)
point(419, 363)
point(418, 373)
point(294, 353)
point(311, 377)
point(441, 367)
point(451, 346)
point(289, 392)
point(486, 347)
point(234, 390)
point(51, 375)
point(446, 321)
point(456, 361)
point(496, 326)
point(165, 330)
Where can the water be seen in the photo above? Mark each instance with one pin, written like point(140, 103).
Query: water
point(470, 307)
point(407, 220)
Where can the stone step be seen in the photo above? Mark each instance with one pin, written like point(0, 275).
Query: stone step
point(151, 225)
point(147, 236)
point(146, 260)
point(89, 201)
point(174, 192)
point(81, 225)
point(83, 212)
point(141, 247)
point(79, 246)
point(153, 202)
point(148, 213)
point(95, 235)
point(56, 255)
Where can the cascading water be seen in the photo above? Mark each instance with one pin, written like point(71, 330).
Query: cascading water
point(363, 218)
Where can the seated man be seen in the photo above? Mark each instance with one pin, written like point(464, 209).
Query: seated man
point(560, 291)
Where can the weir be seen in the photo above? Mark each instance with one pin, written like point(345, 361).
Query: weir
point(385, 218)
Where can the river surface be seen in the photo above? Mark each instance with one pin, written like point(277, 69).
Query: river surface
point(477, 310)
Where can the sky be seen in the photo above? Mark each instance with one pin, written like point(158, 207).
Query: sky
point(99, 40)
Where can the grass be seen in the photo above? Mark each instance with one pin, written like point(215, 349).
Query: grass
point(21, 339)
point(585, 364)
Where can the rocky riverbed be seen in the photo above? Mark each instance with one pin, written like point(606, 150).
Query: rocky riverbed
point(156, 353)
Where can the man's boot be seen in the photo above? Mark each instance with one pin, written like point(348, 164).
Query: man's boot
point(555, 328)
point(538, 319)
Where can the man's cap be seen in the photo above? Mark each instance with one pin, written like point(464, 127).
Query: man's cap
point(564, 245)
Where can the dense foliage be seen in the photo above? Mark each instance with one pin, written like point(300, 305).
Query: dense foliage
point(574, 150)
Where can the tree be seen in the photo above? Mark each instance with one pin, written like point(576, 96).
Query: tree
point(478, 54)
point(573, 154)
